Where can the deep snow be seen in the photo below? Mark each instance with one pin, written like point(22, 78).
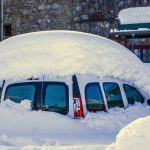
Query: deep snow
point(135, 136)
point(64, 53)
point(21, 127)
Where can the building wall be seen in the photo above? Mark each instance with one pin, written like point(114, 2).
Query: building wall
point(93, 16)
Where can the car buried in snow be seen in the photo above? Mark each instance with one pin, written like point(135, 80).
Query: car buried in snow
point(70, 73)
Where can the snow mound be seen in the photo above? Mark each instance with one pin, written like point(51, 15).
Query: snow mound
point(22, 127)
point(135, 136)
point(134, 15)
point(24, 104)
point(116, 118)
point(64, 53)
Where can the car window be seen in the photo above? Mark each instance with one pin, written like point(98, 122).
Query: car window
point(132, 94)
point(18, 92)
point(56, 98)
point(113, 94)
point(94, 98)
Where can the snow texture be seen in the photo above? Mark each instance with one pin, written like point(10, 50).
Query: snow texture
point(134, 15)
point(21, 127)
point(64, 53)
point(116, 118)
point(135, 136)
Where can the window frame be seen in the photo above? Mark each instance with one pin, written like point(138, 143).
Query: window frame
point(100, 90)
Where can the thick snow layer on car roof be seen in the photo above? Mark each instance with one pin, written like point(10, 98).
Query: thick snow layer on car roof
point(64, 53)
point(134, 15)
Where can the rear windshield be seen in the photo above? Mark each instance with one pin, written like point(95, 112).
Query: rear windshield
point(18, 92)
point(56, 97)
point(48, 96)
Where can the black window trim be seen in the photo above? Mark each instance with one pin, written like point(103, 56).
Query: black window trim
point(85, 89)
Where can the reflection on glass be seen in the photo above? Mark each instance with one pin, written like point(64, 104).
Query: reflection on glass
point(113, 94)
point(17, 93)
point(132, 94)
point(94, 98)
point(56, 98)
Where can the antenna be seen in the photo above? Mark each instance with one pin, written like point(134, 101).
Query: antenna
point(2, 18)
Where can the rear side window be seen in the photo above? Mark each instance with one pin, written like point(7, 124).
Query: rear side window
point(18, 92)
point(56, 98)
point(94, 98)
point(132, 94)
point(113, 94)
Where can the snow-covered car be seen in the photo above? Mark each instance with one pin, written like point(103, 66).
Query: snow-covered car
point(70, 73)
point(84, 94)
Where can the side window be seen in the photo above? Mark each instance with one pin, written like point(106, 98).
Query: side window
point(56, 98)
point(94, 98)
point(132, 94)
point(18, 92)
point(113, 94)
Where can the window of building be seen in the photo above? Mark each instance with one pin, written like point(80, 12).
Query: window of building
point(7, 30)
point(19, 92)
point(132, 94)
point(113, 94)
point(56, 97)
point(94, 98)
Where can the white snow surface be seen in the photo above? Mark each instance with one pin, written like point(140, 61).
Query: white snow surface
point(21, 127)
point(64, 53)
point(135, 136)
point(134, 15)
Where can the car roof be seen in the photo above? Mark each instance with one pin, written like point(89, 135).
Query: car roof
point(65, 53)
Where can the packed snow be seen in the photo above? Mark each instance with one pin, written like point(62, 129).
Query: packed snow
point(134, 136)
point(38, 128)
point(64, 53)
point(134, 15)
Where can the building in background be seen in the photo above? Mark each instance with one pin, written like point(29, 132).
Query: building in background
point(92, 16)
point(134, 31)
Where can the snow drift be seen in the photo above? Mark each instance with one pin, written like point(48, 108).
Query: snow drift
point(135, 136)
point(64, 53)
point(21, 127)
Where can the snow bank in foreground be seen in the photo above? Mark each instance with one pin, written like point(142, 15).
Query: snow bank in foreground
point(21, 127)
point(134, 15)
point(135, 136)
